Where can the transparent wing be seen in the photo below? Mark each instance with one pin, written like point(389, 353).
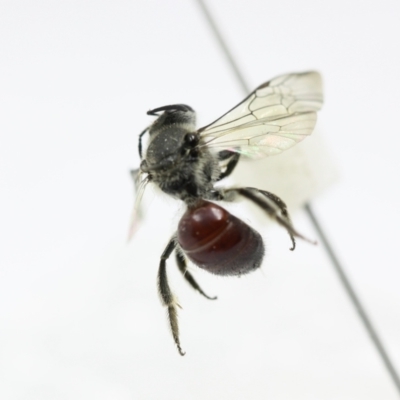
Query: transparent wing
point(273, 118)
point(140, 183)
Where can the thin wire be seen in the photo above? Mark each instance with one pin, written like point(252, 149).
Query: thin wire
point(222, 43)
point(317, 225)
point(354, 298)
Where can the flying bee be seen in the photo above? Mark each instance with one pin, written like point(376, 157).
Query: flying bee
point(187, 163)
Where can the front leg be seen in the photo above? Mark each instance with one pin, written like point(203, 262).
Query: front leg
point(140, 142)
point(271, 204)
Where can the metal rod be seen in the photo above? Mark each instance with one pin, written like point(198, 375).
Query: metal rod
point(225, 49)
point(317, 225)
point(353, 297)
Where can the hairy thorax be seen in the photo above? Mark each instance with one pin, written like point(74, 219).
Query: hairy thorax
point(190, 180)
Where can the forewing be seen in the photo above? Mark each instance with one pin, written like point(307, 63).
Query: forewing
point(277, 115)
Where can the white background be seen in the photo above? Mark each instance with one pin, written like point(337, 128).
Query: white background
point(80, 316)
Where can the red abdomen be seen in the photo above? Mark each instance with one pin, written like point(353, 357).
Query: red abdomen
point(218, 241)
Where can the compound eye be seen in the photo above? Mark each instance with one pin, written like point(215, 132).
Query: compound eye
point(192, 139)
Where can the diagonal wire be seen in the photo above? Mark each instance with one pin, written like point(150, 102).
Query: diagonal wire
point(317, 225)
point(354, 298)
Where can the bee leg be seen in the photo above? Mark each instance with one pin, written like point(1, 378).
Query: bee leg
point(272, 205)
point(282, 206)
point(140, 142)
point(181, 261)
point(167, 297)
point(234, 159)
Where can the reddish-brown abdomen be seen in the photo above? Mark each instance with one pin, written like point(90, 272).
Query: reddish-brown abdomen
point(219, 242)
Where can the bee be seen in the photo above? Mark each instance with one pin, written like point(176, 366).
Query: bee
point(186, 163)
